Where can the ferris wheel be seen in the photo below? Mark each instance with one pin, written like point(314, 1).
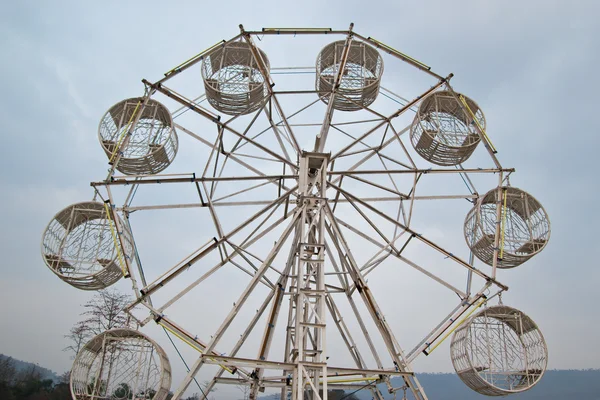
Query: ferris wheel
point(310, 180)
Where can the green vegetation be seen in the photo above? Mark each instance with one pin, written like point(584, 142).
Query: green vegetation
point(25, 381)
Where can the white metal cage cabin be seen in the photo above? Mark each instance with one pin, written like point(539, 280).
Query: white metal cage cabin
point(233, 81)
point(140, 134)
point(525, 227)
point(314, 276)
point(121, 364)
point(360, 67)
point(446, 129)
point(499, 351)
point(79, 246)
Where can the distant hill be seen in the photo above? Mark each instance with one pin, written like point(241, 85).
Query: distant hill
point(555, 385)
point(24, 365)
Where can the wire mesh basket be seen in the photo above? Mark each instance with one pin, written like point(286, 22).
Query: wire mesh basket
point(152, 143)
point(233, 81)
point(121, 364)
point(499, 351)
point(524, 227)
point(81, 247)
point(359, 84)
point(444, 130)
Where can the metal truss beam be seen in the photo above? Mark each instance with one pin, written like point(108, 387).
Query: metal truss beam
point(420, 237)
point(276, 365)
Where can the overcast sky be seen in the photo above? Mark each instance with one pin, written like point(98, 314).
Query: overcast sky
point(531, 66)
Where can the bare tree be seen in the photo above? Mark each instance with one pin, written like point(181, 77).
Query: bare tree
point(205, 391)
point(78, 336)
point(103, 312)
point(8, 372)
point(65, 377)
point(245, 389)
point(30, 374)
